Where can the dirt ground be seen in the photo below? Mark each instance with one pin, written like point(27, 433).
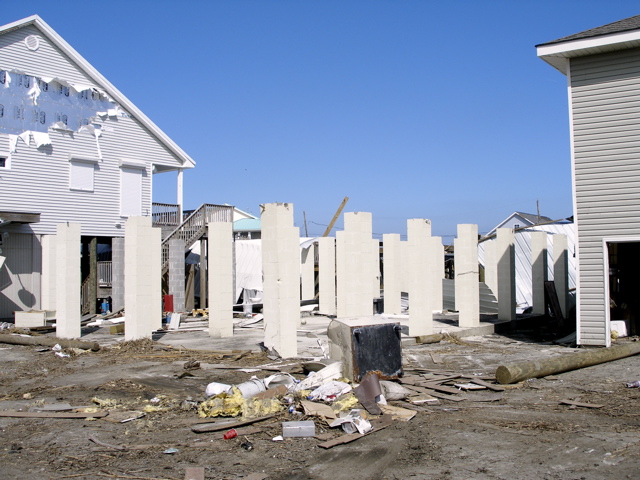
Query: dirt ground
point(523, 432)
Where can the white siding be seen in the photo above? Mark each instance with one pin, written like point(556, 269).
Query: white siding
point(605, 97)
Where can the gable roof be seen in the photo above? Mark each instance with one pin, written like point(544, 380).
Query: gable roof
point(613, 36)
point(531, 218)
point(102, 82)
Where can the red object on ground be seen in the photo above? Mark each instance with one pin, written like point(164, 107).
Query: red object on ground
point(231, 434)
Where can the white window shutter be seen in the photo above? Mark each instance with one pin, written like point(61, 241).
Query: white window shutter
point(131, 191)
point(81, 176)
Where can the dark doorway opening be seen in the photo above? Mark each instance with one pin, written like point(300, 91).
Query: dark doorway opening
point(624, 284)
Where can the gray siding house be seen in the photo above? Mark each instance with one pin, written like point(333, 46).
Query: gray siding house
point(72, 149)
point(602, 66)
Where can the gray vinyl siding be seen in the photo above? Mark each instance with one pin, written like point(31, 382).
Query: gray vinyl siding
point(38, 180)
point(605, 97)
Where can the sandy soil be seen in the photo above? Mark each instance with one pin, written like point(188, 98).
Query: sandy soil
point(523, 432)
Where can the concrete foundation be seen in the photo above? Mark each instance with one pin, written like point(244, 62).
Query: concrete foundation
point(221, 285)
point(177, 274)
point(420, 296)
point(281, 272)
point(117, 273)
point(539, 271)
point(561, 270)
point(143, 269)
point(48, 301)
point(392, 271)
point(506, 274)
point(467, 276)
point(67, 247)
point(355, 266)
point(327, 275)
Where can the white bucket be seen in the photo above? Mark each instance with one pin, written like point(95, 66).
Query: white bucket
point(251, 387)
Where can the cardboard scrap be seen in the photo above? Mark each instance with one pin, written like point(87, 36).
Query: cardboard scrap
point(398, 413)
point(318, 409)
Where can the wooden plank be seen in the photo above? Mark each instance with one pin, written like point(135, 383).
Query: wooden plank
point(579, 404)
point(440, 388)
point(453, 398)
point(435, 358)
point(194, 473)
point(490, 386)
point(218, 426)
point(16, 414)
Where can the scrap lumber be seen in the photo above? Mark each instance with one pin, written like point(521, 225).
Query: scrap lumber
point(217, 426)
point(517, 372)
point(49, 342)
point(16, 414)
point(490, 386)
point(580, 404)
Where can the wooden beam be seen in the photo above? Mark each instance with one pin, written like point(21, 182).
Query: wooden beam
point(335, 217)
point(19, 217)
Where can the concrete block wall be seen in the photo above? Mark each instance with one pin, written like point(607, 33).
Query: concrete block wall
point(354, 266)
point(539, 271)
point(505, 249)
point(420, 296)
point(561, 270)
point(307, 266)
point(467, 276)
point(281, 273)
point(68, 281)
point(48, 301)
point(491, 266)
point(435, 269)
point(221, 284)
point(143, 268)
point(327, 275)
point(392, 271)
point(177, 273)
point(117, 273)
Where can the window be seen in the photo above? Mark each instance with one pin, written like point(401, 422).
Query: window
point(81, 173)
point(3, 162)
point(131, 174)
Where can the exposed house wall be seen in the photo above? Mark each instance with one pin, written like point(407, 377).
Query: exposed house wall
point(605, 102)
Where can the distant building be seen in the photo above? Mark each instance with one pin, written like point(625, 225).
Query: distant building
point(520, 220)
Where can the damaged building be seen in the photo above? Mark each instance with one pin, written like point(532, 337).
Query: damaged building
point(72, 149)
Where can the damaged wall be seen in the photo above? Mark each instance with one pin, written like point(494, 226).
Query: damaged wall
point(57, 124)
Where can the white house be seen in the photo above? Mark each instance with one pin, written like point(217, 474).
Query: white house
point(72, 149)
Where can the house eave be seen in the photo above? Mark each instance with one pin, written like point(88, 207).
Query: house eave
point(557, 54)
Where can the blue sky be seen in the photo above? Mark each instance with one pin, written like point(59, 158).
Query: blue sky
point(413, 109)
